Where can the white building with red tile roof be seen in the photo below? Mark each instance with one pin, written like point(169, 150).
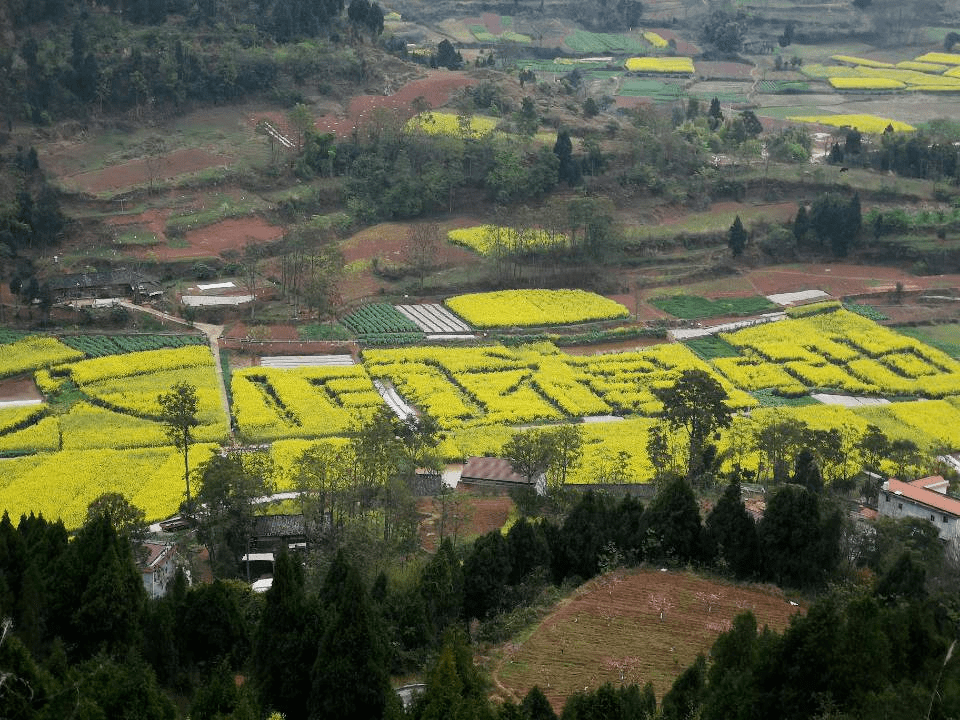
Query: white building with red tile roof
point(158, 567)
point(925, 498)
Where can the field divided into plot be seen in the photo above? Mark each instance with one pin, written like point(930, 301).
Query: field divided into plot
point(100, 430)
point(479, 395)
point(308, 401)
point(839, 350)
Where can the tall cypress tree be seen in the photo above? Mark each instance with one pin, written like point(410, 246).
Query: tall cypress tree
point(737, 237)
point(349, 679)
point(283, 641)
point(734, 533)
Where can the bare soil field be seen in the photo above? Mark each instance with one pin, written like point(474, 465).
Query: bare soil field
point(388, 241)
point(724, 70)
point(840, 279)
point(212, 240)
point(631, 626)
point(137, 172)
point(483, 514)
point(436, 88)
point(19, 389)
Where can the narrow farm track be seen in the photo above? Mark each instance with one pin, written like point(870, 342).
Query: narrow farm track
point(213, 333)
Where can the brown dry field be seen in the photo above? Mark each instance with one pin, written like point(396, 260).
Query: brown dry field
point(19, 388)
point(135, 172)
point(484, 513)
point(212, 240)
point(437, 88)
point(613, 623)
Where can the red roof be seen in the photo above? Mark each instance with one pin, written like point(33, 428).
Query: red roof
point(930, 498)
point(155, 551)
point(929, 483)
point(490, 468)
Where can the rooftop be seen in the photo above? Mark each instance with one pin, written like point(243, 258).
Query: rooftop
point(491, 468)
point(921, 495)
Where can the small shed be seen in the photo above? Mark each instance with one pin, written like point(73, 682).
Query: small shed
point(274, 532)
point(498, 473)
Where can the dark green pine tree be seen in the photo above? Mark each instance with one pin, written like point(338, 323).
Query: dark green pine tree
point(455, 689)
point(807, 473)
point(801, 225)
point(686, 696)
point(486, 572)
point(674, 518)
point(734, 533)
point(792, 538)
point(283, 642)
point(536, 706)
point(349, 679)
point(441, 585)
point(528, 549)
point(568, 171)
point(715, 116)
point(737, 237)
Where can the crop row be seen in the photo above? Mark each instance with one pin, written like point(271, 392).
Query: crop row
point(270, 403)
point(379, 318)
point(599, 43)
point(122, 410)
point(842, 350)
point(14, 418)
point(493, 385)
point(526, 308)
point(138, 363)
point(863, 123)
point(102, 345)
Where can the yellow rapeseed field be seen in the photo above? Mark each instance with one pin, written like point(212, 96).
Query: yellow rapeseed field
point(494, 240)
point(682, 65)
point(863, 123)
point(525, 308)
point(439, 123)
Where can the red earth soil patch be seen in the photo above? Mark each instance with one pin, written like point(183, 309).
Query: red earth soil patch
point(612, 630)
point(484, 513)
point(212, 240)
point(839, 279)
point(724, 70)
point(683, 47)
point(135, 172)
point(492, 22)
point(647, 313)
point(614, 347)
point(388, 241)
point(154, 221)
point(19, 388)
point(265, 332)
point(436, 88)
point(630, 101)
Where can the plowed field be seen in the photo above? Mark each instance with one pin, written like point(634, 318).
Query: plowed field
point(611, 631)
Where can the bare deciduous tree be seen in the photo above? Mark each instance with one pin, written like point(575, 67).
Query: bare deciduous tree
point(422, 249)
